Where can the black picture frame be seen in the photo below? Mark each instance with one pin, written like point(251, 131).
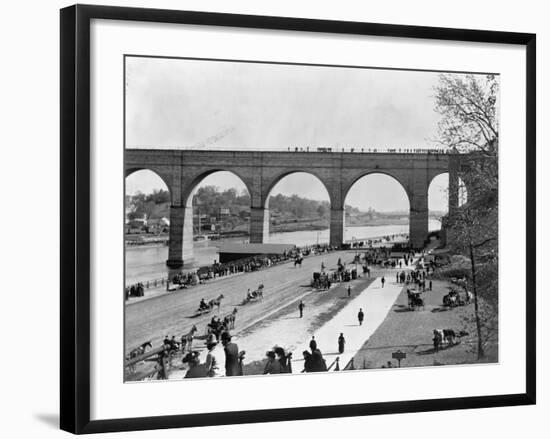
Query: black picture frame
point(75, 217)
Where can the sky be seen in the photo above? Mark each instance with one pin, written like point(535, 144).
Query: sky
point(201, 104)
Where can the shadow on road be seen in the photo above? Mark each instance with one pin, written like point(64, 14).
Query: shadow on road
point(433, 351)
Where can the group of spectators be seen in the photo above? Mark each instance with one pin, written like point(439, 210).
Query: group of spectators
point(369, 150)
point(223, 358)
point(417, 277)
point(136, 290)
point(278, 360)
point(314, 361)
point(245, 265)
point(376, 241)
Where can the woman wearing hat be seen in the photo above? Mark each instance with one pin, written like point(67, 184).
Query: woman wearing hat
point(213, 357)
point(272, 365)
point(196, 370)
point(233, 366)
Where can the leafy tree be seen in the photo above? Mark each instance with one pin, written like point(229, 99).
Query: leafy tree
point(469, 123)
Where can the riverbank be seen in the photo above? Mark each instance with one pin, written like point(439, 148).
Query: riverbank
point(149, 262)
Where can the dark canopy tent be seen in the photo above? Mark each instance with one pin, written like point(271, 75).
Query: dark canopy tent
point(233, 252)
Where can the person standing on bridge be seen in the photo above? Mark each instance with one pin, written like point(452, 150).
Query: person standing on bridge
point(341, 343)
point(349, 290)
point(360, 316)
point(383, 280)
point(301, 307)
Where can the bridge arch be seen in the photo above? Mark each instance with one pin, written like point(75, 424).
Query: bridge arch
point(270, 183)
point(192, 182)
point(297, 183)
point(446, 192)
point(182, 218)
point(394, 177)
point(165, 179)
point(395, 201)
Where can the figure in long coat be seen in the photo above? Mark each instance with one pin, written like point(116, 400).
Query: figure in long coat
point(341, 343)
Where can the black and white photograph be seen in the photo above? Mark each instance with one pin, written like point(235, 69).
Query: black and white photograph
point(285, 218)
point(275, 219)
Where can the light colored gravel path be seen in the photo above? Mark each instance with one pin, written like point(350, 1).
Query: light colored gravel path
point(375, 302)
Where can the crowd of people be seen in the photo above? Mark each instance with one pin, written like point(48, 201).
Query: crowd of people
point(217, 269)
point(371, 150)
point(378, 240)
point(222, 357)
point(255, 263)
point(417, 277)
point(135, 290)
point(250, 264)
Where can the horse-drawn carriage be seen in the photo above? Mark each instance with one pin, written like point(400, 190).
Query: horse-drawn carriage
point(206, 307)
point(253, 296)
point(321, 280)
point(453, 299)
point(298, 260)
point(415, 299)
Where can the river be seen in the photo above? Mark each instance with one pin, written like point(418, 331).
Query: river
point(148, 262)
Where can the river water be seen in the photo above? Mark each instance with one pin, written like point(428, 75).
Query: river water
point(148, 262)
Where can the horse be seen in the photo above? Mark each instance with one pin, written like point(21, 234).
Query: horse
point(187, 340)
point(450, 299)
point(229, 319)
point(415, 301)
point(298, 261)
point(253, 295)
point(447, 336)
point(216, 302)
point(136, 352)
point(438, 339)
point(139, 350)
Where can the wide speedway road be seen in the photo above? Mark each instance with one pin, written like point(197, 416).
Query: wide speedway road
point(170, 314)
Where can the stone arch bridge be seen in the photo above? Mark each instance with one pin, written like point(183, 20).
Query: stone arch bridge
point(183, 170)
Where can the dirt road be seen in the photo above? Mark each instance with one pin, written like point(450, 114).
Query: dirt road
point(170, 314)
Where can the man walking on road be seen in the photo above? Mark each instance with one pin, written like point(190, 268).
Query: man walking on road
point(360, 316)
point(349, 290)
point(301, 307)
point(383, 281)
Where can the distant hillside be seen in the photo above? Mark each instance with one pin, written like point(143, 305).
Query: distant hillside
point(286, 212)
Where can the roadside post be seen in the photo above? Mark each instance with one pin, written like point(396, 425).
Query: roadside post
point(398, 355)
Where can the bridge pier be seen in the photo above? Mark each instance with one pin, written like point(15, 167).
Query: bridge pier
point(337, 224)
point(259, 225)
point(419, 213)
point(454, 188)
point(418, 224)
point(181, 236)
